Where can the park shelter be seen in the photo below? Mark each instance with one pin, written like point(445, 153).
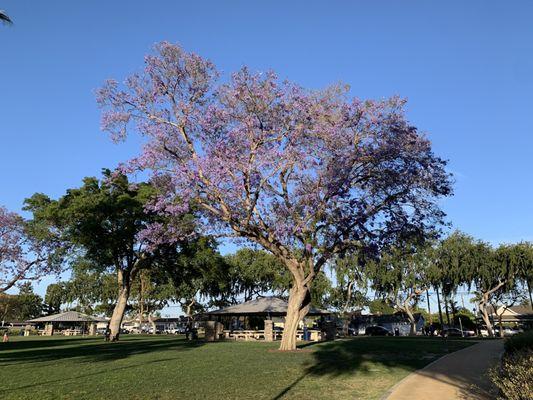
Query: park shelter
point(255, 319)
point(69, 322)
point(259, 309)
point(268, 307)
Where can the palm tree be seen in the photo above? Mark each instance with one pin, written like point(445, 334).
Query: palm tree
point(5, 18)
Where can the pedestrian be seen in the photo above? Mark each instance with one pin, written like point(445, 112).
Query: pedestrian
point(107, 334)
point(6, 337)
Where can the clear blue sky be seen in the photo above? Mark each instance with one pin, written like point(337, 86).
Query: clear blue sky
point(466, 68)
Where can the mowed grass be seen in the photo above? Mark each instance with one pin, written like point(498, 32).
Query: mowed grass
point(169, 367)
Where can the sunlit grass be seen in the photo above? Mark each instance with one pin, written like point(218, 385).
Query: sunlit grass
point(168, 367)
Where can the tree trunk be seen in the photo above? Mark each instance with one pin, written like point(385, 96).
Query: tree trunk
point(298, 306)
point(529, 292)
point(412, 321)
point(120, 306)
point(440, 309)
point(446, 308)
point(500, 323)
point(485, 316)
point(152, 322)
point(429, 307)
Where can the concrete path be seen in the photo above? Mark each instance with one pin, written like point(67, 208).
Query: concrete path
point(458, 375)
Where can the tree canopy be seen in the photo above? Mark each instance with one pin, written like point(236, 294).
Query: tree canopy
point(306, 174)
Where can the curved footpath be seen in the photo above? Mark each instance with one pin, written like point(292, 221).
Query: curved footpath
point(459, 375)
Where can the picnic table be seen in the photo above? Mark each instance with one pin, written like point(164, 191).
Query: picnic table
point(72, 332)
point(248, 335)
point(244, 334)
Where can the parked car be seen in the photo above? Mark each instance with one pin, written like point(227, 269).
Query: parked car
point(377, 331)
point(453, 332)
point(352, 331)
point(176, 331)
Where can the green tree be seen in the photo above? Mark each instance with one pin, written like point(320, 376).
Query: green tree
point(451, 259)
point(31, 304)
point(104, 221)
point(22, 306)
point(197, 271)
point(401, 276)
point(349, 294)
point(252, 273)
point(379, 306)
point(56, 295)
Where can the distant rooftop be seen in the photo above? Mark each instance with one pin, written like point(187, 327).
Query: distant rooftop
point(68, 316)
point(262, 306)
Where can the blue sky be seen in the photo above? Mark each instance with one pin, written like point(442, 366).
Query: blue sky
point(466, 69)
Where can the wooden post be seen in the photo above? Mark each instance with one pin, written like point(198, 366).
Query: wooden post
point(269, 330)
point(49, 329)
point(210, 331)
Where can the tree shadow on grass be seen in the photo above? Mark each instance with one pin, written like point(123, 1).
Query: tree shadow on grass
point(85, 350)
point(366, 354)
point(81, 376)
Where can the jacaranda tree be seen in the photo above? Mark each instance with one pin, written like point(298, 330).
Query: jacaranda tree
point(306, 174)
point(25, 253)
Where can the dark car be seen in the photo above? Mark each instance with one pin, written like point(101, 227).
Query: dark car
point(377, 331)
point(452, 332)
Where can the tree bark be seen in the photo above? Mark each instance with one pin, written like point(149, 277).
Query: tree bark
point(529, 292)
point(440, 309)
point(298, 307)
point(429, 307)
point(485, 315)
point(412, 321)
point(500, 323)
point(152, 322)
point(446, 309)
point(120, 306)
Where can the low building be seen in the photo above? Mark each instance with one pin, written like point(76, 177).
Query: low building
point(253, 313)
point(163, 324)
point(390, 322)
point(69, 322)
point(514, 316)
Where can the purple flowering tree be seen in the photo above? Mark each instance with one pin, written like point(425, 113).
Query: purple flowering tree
point(306, 174)
point(22, 257)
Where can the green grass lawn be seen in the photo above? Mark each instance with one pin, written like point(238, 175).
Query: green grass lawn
point(168, 367)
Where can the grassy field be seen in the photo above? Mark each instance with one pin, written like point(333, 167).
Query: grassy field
point(168, 367)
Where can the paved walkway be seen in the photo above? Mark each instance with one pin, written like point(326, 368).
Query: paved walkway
point(459, 375)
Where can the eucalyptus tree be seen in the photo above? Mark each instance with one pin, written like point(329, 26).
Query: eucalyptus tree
point(306, 174)
point(451, 260)
point(197, 271)
point(151, 292)
point(522, 256)
point(401, 275)
point(253, 272)
point(492, 272)
point(349, 294)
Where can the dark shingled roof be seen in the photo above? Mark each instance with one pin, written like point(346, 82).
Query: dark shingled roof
point(272, 306)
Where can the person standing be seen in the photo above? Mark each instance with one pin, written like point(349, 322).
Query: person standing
point(6, 337)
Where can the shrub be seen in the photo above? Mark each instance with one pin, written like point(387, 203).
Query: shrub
point(518, 342)
point(514, 377)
